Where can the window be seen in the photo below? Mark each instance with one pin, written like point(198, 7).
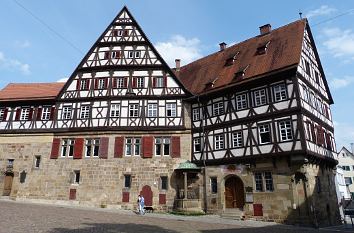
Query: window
point(24, 114)
point(158, 82)
point(279, 92)
point(260, 97)
point(127, 181)
point(164, 182)
point(196, 114)
point(92, 147)
point(318, 184)
point(132, 146)
point(264, 133)
point(66, 112)
point(218, 108)
point(152, 110)
point(23, 175)
point(115, 110)
point(120, 82)
point(285, 130)
point(131, 54)
point(263, 181)
point(137, 54)
point(46, 113)
point(85, 112)
point(134, 110)
point(10, 162)
point(348, 180)
point(171, 110)
point(162, 146)
point(115, 54)
point(307, 68)
point(219, 142)
point(306, 93)
point(84, 84)
point(241, 101)
point(76, 177)
point(213, 184)
point(37, 161)
point(67, 148)
point(140, 82)
point(197, 145)
point(2, 112)
point(237, 139)
point(101, 83)
point(346, 168)
point(317, 77)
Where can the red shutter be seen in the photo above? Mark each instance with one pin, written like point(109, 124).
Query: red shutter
point(162, 199)
point(72, 194)
point(258, 210)
point(126, 32)
point(125, 83)
point(115, 32)
point(114, 82)
point(148, 143)
point(103, 151)
point(77, 84)
point(314, 140)
point(118, 147)
point(39, 114)
point(125, 197)
point(105, 83)
point(106, 55)
point(165, 80)
point(176, 147)
point(30, 114)
point(55, 148)
point(96, 83)
point(87, 84)
point(134, 82)
point(78, 148)
point(52, 113)
point(153, 82)
point(118, 54)
point(18, 114)
point(5, 114)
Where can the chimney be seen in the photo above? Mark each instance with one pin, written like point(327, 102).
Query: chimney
point(265, 29)
point(178, 64)
point(222, 46)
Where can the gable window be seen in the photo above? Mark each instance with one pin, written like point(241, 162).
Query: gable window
point(196, 114)
point(317, 77)
point(163, 182)
point(152, 110)
point(92, 146)
point(85, 112)
point(37, 161)
point(66, 112)
point(263, 181)
point(24, 114)
point(132, 146)
point(127, 181)
point(171, 110)
point(115, 110)
point(158, 82)
point(279, 92)
point(76, 177)
point(285, 130)
point(213, 185)
point(219, 142)
point(101, 83)
point(140, 82)
point(115, 54)
point(84, 84)
point(241, 101)
point(264, 133)
point(237, 139)
point(134, 110)
point(197, 145)
point(67, 148)
point(218, 108)
point(117, 32)
point(121, 83)
point(162, 146)
point(46, 113)
point(137, 54)
point(260, 97)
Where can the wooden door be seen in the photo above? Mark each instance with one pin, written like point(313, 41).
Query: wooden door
point(8, 185)
point(147, 194)
point(234, 193)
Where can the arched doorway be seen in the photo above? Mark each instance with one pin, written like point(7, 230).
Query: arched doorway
point(234, 193)
point(147, 194)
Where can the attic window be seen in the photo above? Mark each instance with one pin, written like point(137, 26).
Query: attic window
point(210, 84)
point(241, 73)
point(231, 60)
point(262, 49)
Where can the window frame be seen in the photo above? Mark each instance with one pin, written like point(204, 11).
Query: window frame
point(164, 145)
point(25, 112)
point(134, 110)
point(152, 110)
point(286, 130)
point(115, 110)
point(37, 161)
point(159, 82)
point(46, 112)
point(92, 147)
point(196, 114)
point(164, 183)
point(85, 111)
point(140, 82)
point(67, 112)
point(238, 144)
point(2, 113)
point(132, 144)
point(218, 108)
point(127, 181)
point(241, 103)
point(199, 140)
point(219, 142)
point(171, 110)
point(77, 177)
point(282, 92)
point(67, 148)
point(260, 98)
point(213, 185)
point(260, 133)
point(263, 181)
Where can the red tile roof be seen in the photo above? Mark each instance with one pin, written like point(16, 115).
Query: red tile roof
point(30, 91)
point(283, 51)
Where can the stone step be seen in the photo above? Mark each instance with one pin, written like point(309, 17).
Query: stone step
point(236, 214)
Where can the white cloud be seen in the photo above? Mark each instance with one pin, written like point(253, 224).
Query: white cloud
point(344, 134)
point(22, 44)
point(323, 10)
point(339, 42)
point(63, 80)
point(179, 47)
point(341, 82)
point(13, 65)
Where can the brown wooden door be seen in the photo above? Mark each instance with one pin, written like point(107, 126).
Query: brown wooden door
point(147, 194)
point(8, 185)
point(234, 193)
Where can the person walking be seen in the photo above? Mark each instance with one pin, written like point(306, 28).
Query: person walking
point(142, 204)
point(139, 207)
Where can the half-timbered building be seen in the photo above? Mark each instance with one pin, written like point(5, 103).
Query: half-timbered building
point(254, 117)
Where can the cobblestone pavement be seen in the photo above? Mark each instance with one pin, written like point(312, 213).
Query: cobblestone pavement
point(24, 217)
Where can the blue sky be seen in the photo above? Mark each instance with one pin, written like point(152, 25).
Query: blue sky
point(188, 29)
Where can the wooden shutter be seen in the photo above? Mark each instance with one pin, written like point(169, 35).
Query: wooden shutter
point(39, 114)
point(77, 84)
point(78, 148)
point(134, 82)
point(165, 81)
point(103, 151)
point(257, 210)
point(106, 55)
point(148, 143)
point(114, 82)
point(176, 147)
point(55, 148)
point(30, 114)
point(162, 199)
point(118, 147)
point(314, 140)
point(52, 113)
point(96, 83)
point(72, 194)
point(18, 114)
point(125, 82)
point(115, 32)
point(125, 197)
point(154, 82)
point(126, 32)
point(5, 114)
point(87, 84)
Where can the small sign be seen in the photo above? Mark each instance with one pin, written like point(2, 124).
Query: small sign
point(249, 197)
point(232, 168)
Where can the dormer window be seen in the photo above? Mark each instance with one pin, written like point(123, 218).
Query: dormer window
point(241, 73)
point(262, 49)
point(231, 60)
point(210, 84)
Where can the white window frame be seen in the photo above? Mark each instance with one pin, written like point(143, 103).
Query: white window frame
point(260, 97)
point(237, 140)
point(134, 110)
point(219, 142)
point(241, 101)
point(115, 110)
point(196, 114)
point(197, 141)
point(218, 108)
point(132, 146)
point(137, 54)
point(120, 82)
point(171, 109)
point(131, 54)
point(264, 129)
point(83, 84)
point(101, 83)
point(92, 147)
point(285, 130)
point(67, 147)
point(280, 92)
point(140, 82)
point(46, 111)
point(152, 110)
point(24, 116)
point(67, 111)
point(85, 111)
point(305, 93)
point(162, 146)
point(159, 82)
